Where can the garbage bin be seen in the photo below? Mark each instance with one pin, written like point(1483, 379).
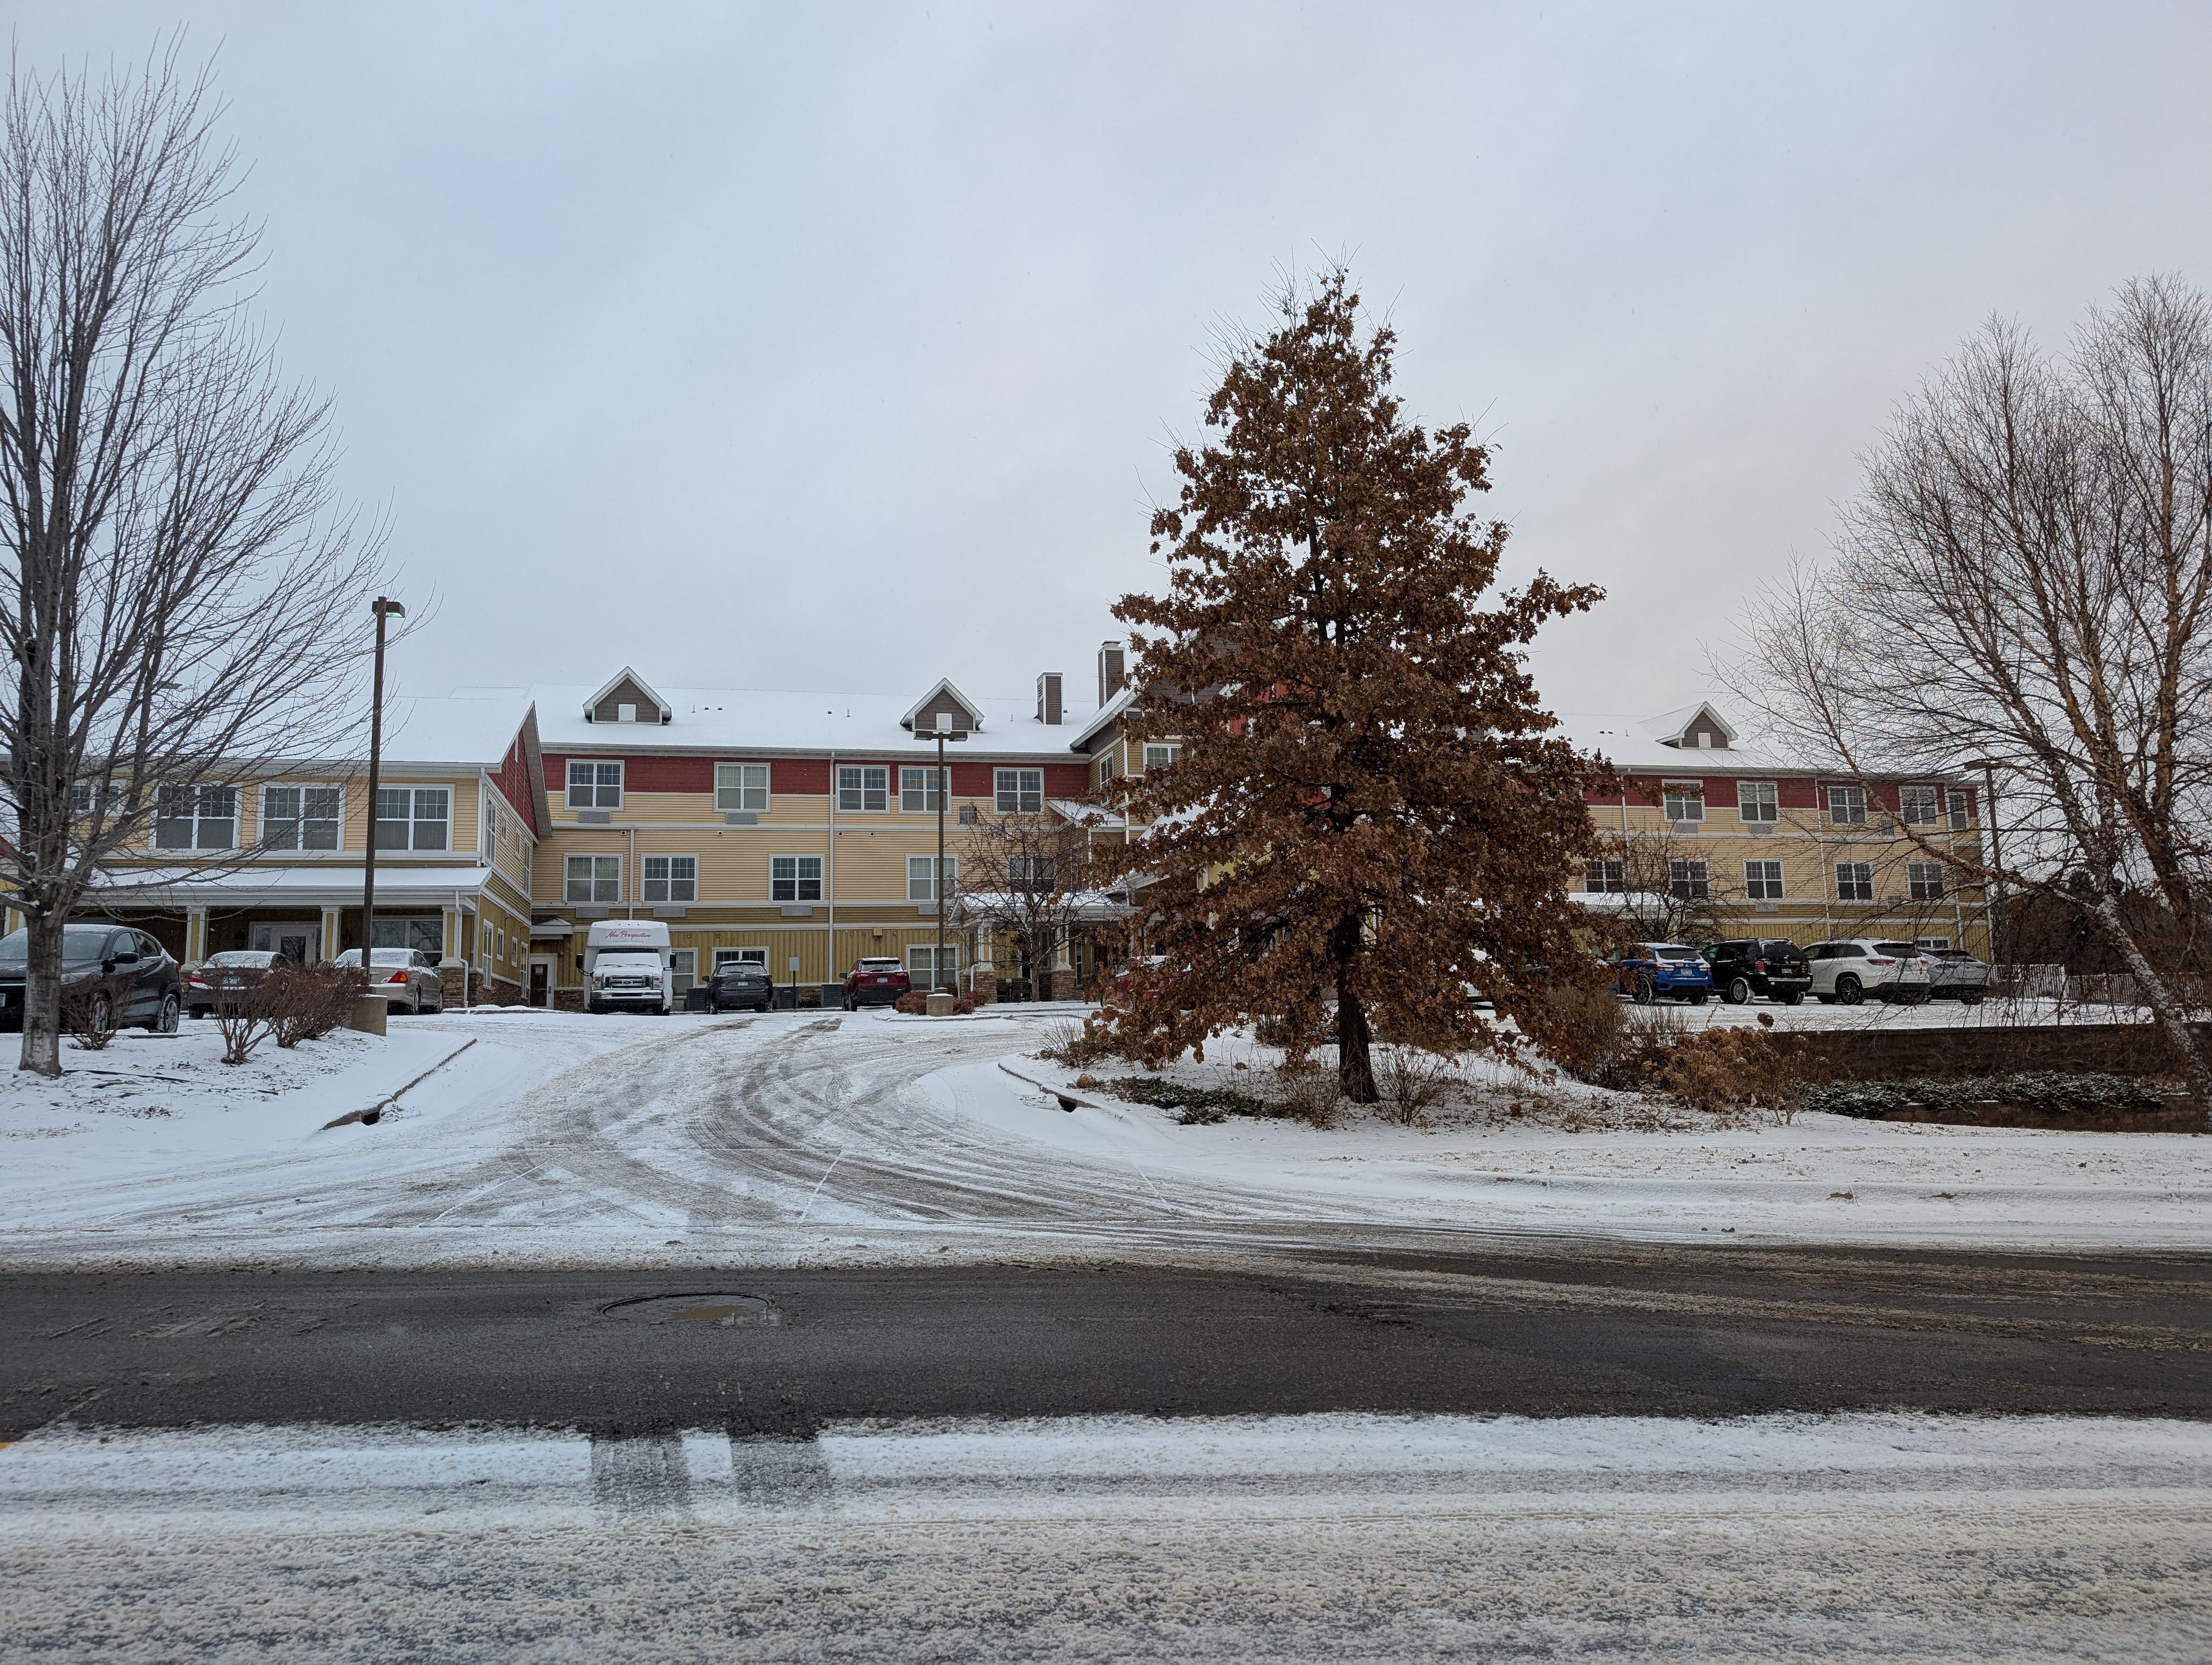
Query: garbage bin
point(698, 999)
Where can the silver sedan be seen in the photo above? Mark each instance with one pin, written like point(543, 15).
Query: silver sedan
point(407, 978)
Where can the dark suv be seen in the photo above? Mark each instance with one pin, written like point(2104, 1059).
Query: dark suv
point(1773, 968)
point(123, 976)
point(740, 985)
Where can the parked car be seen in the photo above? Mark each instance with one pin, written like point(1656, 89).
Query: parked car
point(875, 982)
point(1773, 968)
point(407, 978)
point(1645, 970)
point(1955, 975)
point(223, 978)
point(1852, 971)
point(123, 975)
point(740, 985)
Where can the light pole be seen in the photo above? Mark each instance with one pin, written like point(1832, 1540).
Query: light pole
point(937, 966)
point(384, 609)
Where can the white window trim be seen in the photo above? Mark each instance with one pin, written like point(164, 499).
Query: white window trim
point(1763, 877)
point(621, 782)
point(595, 857)
point(1866, 805)
point(1173, 748)
point(237, 806)
point(1866, 867)
point(1694, 791)
point(998, 792)
point(411, 848)
point(1913, 881)
point(864, 770)
point(943, 790)
point(799, 877)
point(646, 880)
point(261, 825)
point(929, 874)
point(1936, 805)
point(928, 950)
point(767, 790)
point(1773, 789)
point(741, 956)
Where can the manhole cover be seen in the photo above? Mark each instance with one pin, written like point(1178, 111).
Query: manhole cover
point(716, 1311)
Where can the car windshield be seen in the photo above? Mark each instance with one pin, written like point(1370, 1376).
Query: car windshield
point(384, 957)
point(1675, 951)
point(79, 942)
point(243, 956)
point(1903, 949)
point(630, 959)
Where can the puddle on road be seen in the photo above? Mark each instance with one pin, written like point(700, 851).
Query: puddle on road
point(716, 1311)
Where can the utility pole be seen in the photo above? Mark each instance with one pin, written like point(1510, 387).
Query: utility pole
point(937, 966)
point(383, 609)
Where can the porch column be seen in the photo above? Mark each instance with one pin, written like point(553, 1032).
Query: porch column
point(195, 935)
point(452, 933)
point(331, 927)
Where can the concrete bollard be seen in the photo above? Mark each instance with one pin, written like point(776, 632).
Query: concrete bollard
point(940, 1005)
point(369, 1014)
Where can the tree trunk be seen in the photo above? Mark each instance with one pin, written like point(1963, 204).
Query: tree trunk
point(1355, 1063)
point(2164, 1004)
point(42, 996)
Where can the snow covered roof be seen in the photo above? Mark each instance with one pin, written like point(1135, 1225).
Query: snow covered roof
point(473, 727)
point(739, 721)
point(1645, 745)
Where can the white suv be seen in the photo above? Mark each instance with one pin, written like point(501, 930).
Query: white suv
point(1850, 970)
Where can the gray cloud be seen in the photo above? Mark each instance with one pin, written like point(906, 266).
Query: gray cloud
point(789, 347)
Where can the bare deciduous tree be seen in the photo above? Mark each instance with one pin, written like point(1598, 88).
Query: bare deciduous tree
point(2027, 578)
point(176, 585)
point(1661, 887)
point(1026, 876)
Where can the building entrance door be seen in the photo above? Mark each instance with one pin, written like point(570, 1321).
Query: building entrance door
point(541, 979)
point(301, 943)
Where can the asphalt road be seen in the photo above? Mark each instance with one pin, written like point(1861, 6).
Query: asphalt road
point(1557, 1329)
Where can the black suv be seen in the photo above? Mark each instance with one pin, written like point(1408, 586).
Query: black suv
point(123, 976)
point(1776, 968)
point(741, 985)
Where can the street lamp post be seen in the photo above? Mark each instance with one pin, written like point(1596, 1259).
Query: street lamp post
point(383, 609)
point(937, 966)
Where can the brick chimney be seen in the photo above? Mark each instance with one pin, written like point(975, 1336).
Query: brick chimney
point(1048, 697)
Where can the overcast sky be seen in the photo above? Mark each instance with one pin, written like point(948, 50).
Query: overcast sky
point(841, 347)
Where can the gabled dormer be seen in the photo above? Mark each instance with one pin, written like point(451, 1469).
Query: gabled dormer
point(1693, 728)
point(626, 699)
point(944, 706)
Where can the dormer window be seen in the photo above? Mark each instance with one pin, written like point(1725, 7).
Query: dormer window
point(626, 699)
point(944, 709)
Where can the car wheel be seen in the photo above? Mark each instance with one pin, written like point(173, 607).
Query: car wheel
point(1696, 997)
point(199, 1013)
point(1646, 993)
point(164, 1021)
point(1739, 991)
point(1798, 999)
point(1850, 990)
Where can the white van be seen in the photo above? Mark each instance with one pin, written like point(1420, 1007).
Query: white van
point(626, 967)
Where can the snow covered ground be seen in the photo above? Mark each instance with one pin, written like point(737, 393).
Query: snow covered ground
point(820, 1137)
point(1355, 1537)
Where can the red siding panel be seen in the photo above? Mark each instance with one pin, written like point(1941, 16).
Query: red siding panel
point(1797, 795)
point(668, 775)
point(806, 776)
point(512, 780)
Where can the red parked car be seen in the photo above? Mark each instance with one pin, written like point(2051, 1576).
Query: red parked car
point(874, 982)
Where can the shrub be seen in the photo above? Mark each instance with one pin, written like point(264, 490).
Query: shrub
point(1201, 1106)
point(1077, 1045)
point(245, 1022)
point(1588, 1029)
point(305, 1003)
point(1411, 1080)
point(1724, 1069)
point(915, 1003)
point(89, 1020)
point(2041, 1089)
point(1308, 1093)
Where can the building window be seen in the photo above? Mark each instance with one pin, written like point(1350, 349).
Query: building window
point(919, 793)
point(594, 785)
point(1605, 878)
point(1687, 881)
point(1916, 806)
point(1033, 873)
point(1685, 800)
point(741, 956)
point(917, 877)
point(741, 786)
point(195, 818)
point(1847, 806)
point(1956, 801)
point(1757, 803)
point(1938, 944)
point(922, 968)
point(1108, 767)
point(1855, 881)
point(682, 970)
point(301, 818)
point(1018, 791)
point(671, 877)
point(413, 818)
point(1762, 880)
point(1924, 880)
point(862, 787)
point(425, 933)
point(795, 879)
point(1161, 756)
point(593, 879)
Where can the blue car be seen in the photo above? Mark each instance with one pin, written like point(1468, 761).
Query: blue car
point(1644, 971)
